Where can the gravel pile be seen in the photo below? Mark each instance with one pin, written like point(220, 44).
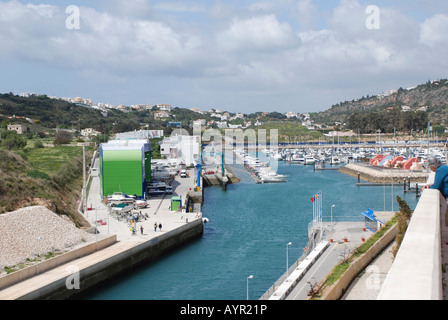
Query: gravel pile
point(33, 231)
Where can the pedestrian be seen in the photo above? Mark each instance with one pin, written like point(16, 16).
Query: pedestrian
point(440, 182)
point(160, 227)
point(155, 226)
point(141, 230)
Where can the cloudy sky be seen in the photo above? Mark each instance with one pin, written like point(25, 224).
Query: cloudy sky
point(240, 56)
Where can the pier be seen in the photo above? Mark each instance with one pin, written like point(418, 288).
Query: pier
point(259, 173)
point(380, 175)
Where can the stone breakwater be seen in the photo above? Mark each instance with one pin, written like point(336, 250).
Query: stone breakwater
point(33, 231)
point(382, 175)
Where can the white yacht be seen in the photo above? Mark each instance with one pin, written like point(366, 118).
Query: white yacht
point(335, 160)
point(309, 159)
point(118, 197)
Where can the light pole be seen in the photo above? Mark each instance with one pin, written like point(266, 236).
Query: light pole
point(332, 215)
point(96, 227)
point(37, 264)
point(108, 220)
point(287, 269)
point(247, 285)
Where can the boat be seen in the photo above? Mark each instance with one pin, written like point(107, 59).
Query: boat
point(155, 191)
point(298, 158)
point(309, 159)
point(277, 156)
point(157, 184)
point(334, 160)
point(122, 207)
point(159, 188)
point(119, 197)
point(141, 204)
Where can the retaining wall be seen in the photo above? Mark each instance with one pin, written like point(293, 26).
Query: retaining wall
point(336, 291)
point(46, 265)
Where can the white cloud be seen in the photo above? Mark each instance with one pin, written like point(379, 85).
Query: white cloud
point(256, 50)
point(137, 9)
point(104, 41)
point(261, 6)
point(257, 33)
point(435, 30)
point(180, 7)
point(307, 14)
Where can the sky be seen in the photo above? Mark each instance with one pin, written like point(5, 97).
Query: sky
point(240, 56)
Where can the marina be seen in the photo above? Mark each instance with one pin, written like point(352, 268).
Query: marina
point(248, 229)
point(245, 226)
point(249, 215)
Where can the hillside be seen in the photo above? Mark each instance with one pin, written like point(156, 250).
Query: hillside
point(433, 95)
point(288, 131)
point(50, 177)
point(54, 113)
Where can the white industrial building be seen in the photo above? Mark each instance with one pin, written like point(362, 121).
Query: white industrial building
point(182, 149)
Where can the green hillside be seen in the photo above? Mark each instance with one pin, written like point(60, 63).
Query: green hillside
point(42, 176)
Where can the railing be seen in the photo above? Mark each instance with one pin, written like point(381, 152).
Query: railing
point(416, 273)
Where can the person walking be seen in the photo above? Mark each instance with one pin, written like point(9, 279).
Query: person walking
point(160, 227)
point(141, 230)
point(155, 226)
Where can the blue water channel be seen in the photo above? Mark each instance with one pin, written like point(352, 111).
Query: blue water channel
point(247, 234)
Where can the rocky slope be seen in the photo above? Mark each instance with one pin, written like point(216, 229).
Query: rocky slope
point(433, 95)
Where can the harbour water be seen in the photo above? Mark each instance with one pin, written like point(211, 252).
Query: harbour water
point(247, 234)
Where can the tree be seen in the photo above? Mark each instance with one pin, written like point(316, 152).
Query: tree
point(14, 141)
point(63, 137)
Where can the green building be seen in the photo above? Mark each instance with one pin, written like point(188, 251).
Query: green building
point(125, 166)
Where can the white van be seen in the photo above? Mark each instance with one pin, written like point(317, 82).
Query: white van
point(183, 173)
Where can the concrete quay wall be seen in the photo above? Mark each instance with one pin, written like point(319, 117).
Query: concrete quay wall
point(382, 175)
point(49, 264)
point(132, 256)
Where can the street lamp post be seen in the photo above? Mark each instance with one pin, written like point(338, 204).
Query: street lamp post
point(108, 221)
point(332, 215)
point(37, 264)
point(247, 285)
point(287, 268)
point(96, 228)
